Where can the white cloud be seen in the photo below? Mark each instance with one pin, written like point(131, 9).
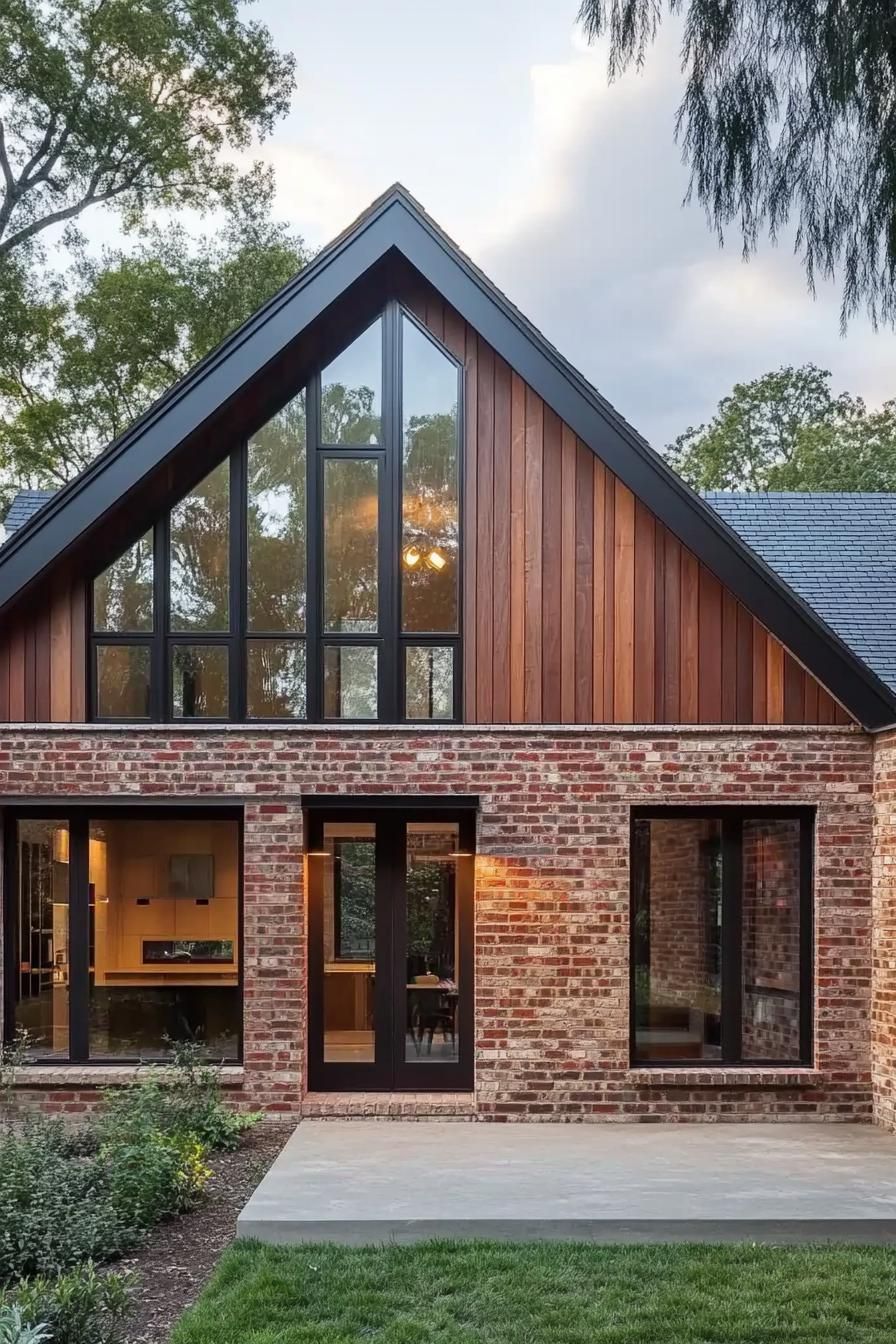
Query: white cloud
point(594, 246)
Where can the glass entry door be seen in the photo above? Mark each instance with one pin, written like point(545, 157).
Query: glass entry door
point(391, 958)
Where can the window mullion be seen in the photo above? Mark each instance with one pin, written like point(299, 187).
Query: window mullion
point(238, 582)
point(732, 949)
point(160, 696)
point(313, 554)
point(79, 939)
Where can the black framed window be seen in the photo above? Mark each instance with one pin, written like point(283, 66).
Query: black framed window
point(123, 932)
point(314, 572)
point(721, 936)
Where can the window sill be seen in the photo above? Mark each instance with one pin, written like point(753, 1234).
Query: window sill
point(698, 1077)
point(105, 1075)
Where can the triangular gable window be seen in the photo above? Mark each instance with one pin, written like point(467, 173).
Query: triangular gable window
point(314, 573)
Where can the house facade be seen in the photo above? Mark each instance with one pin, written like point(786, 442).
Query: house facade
point(381, 711)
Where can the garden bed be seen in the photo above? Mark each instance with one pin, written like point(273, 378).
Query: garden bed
point(174, 1264)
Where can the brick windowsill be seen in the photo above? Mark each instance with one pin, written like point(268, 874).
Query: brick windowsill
point(699, 1077)
point(97, 1075)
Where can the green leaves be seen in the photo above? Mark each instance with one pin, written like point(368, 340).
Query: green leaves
point(80, 361)
point(788, 115)
point(787, 431)
point(128, 102)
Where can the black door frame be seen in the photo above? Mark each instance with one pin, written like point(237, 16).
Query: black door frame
point(390, 1071)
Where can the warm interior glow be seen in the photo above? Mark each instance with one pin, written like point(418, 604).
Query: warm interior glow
point(436, 560)
point(411, 557)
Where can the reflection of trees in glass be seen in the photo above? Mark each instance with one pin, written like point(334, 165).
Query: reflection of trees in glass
point(355, 899)
point(275, 686)
point(351, 391)
point(200, 590)
point(351, 520)
point(276, 522)
point(429, 681)
point(429, 483)
point(430, 905)
point(122, 594)
point(349, 415)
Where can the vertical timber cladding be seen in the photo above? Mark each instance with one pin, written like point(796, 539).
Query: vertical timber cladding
point(43, 659)
point(579, 605)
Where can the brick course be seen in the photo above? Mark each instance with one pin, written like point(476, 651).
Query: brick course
point(883, 1025)
point(552, 890)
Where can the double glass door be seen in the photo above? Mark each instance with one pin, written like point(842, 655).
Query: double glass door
point(391, 957)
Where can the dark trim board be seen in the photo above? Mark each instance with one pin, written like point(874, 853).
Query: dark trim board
point(396, 227)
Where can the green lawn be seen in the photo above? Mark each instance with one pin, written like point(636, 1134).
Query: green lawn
point(472, 1292)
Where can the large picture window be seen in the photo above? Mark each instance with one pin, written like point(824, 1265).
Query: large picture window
point(123, 934)
point(314, 572)
point(721, 936)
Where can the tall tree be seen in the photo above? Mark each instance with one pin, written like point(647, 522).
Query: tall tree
point(81, 357)
point(128, 103)
point(789, 112)
point(788, 431)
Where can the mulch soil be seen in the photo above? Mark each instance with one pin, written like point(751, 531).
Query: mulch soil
point(177, 1259)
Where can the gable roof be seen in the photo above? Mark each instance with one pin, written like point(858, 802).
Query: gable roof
point(838, 551)
point(395, 225)
point(24, 504)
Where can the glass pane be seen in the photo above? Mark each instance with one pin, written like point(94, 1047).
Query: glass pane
point(429, 537)
point(677, 938)
point(276, 522)
point(199, 681)
point(429, 682)
point(164, 937)
point(350, 690)
point(42, 952)
point(351, 544)
point(771, 940)
point(351, 392)
point(431, 987)
point(275, 685)
point(349, 903)
point(122, 681)
point(200, 566)
point(122, 594)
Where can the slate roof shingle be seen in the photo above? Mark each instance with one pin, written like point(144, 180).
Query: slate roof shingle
point(24, 505)
point(837, 551)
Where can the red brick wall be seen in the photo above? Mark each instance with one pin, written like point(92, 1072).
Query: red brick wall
point(883, 1027)
point(552, 899)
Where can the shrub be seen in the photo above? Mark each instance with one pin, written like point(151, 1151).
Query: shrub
point(60, 1206)
point(13, 1329)
point(81, 1307)
point(182, 1098)
point(53, 1206)
point(154, 1177)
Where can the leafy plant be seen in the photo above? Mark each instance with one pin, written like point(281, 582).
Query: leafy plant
point(154, 1177)
point(54, 1210)
point(13, 1329)
point(81, 1307)
point(12, 1056)
point(184, 1097)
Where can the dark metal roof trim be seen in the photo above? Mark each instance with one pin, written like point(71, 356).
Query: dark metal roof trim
point(395, 222)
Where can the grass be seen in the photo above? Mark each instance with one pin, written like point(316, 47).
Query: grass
point(547, 1293)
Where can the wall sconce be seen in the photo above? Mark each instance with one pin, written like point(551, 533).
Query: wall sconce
point(411, 557)
point(436, 560)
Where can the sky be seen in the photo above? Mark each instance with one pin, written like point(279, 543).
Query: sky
point(499, 119)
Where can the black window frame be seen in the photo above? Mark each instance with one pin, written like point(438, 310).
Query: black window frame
point(390, 1071)
point(78, 817)
point(390, 640)
point(731, 818)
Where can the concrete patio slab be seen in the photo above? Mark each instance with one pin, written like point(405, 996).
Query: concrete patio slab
point(366, 1182)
